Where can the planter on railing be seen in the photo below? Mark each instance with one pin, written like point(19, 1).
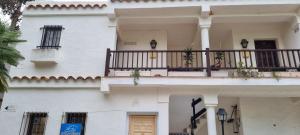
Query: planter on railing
point(197, 60)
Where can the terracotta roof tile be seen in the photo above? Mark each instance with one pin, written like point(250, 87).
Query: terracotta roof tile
point(60, 5)
point(55, 78)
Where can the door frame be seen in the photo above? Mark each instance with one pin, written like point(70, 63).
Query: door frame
point(277, 60)
point(141, 114)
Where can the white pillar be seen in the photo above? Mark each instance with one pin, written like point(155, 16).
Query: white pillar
point(211, 120)
point(204, 36)
point(211, 102)
point(204, 25)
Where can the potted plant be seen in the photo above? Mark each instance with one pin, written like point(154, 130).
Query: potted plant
point(188, 57)
point(219, 57)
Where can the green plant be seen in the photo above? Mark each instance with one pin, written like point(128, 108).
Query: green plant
point(9, 56)
point(219, 57)
point(136, 76)
point(188, 56)
point(13, 8)
point(243, 72)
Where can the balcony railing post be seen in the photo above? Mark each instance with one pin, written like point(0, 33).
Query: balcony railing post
point(107, 62)
point(208, 68)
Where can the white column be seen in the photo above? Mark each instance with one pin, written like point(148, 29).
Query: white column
point(204, 25)
point(211, 120)
point(211, 102)
point(204, 36)
point(163, 115)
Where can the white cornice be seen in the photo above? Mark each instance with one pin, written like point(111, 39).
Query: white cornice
point(54, 84)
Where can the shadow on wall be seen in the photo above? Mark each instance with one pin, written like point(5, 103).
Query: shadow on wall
point(1, 99)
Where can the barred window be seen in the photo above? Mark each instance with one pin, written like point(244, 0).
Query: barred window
point(78, 118)
point(51, 36)
point(36, 123)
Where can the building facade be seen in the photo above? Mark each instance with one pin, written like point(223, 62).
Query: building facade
point(152, 67)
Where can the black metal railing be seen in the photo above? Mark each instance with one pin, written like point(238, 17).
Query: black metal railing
point(262, 60)
point(197, 60)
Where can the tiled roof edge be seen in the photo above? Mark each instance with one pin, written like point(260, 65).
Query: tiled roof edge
point(55, 78)
point(60, 5)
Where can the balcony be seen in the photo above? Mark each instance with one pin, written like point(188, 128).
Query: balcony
point(225, 63)
point(44, 56)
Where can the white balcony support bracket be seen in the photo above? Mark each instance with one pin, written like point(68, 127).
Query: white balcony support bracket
point(205, 11)
point(111, 16)
point(211, 102)
point(104, 86)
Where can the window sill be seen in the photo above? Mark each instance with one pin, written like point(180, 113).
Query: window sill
point(45, 56)
point(48, 47)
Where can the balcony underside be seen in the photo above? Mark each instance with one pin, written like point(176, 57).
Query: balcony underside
point(207, 84)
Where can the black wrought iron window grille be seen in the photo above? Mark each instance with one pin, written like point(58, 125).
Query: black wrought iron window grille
point(78, 118)
point(51, 37)
point(33, 123)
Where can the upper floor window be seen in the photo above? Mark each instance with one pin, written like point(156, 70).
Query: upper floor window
point(36, 123)
point(78, 118)
point(51, 36)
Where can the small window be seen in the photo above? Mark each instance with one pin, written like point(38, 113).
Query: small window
point(36, 123)
point(51, 36)
point(78, 118)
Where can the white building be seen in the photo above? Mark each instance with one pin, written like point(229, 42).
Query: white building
point(80, 57)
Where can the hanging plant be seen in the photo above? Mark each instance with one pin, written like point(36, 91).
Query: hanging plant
point(136, 76)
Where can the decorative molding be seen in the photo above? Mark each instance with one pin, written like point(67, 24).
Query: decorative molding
point(205, 11)
point(88, 83)
point(205, 22)
point(45, 78)
point(60, 5)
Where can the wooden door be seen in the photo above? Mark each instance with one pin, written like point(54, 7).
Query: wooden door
point(266, 59)
point(142, 125)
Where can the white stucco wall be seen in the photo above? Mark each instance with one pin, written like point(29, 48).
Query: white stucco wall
point(290, 36)
point(107, 114)
point(140, 40)
point(255, 31)
point(84, 42)
point(84, 39)
point(270, 116)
